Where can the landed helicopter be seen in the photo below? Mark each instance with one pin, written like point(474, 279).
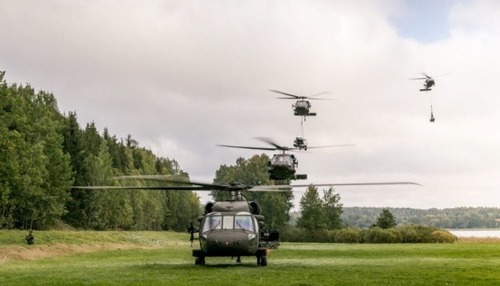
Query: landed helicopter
point(283, 166)
point(302, 106)
point(231, 228)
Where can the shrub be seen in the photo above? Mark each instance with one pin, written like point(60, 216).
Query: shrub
point(379, 235)
point(293, 234)
point(347, 235)
point(443, 236)
point(425, 234)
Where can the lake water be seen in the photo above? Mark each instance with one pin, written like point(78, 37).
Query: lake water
point(476, 232)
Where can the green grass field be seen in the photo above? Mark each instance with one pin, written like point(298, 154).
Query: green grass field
point(164, 258)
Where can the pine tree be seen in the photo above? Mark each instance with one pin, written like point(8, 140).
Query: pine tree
point(333, 209)
point(386, 219)
point(313, 216)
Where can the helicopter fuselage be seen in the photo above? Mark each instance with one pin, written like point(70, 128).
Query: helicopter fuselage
point(428, 84)
point(301, 108)
point(282, 167)
point(233, 233)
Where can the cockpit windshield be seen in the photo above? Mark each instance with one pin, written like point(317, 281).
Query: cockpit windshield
point(238, 221)
point(281, 159)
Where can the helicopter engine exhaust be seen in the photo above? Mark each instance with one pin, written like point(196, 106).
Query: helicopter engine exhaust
point(254, 207)
point(209, 207)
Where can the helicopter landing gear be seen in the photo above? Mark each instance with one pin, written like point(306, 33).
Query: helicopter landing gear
point(199, 260)
point(262, 257)
point(262, 260)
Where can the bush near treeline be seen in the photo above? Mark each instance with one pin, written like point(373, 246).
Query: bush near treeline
point(400, 234)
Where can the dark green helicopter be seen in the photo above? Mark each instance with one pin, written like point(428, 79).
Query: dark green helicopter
point(302, 106)
point(282, 166)
point(231, 228)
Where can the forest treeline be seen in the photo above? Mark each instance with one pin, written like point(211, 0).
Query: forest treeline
point(450, 218)
point(43, 153)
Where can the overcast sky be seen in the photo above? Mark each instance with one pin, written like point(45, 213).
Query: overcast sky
point(183, 76)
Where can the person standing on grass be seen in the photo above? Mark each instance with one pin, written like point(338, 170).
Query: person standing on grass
point(30, 239)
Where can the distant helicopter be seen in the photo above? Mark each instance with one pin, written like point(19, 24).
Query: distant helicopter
point(429, 81)
point(283, 166)
point(428, 84)
point(302, 106)
point(233, 227)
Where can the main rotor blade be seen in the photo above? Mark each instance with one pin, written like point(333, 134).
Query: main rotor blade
point(171, 188)
point(172, 179)
point(287, 98)
point(417, 78)
point(313, 97)
point(270, 188)
point(288, 94)
point(271, 142)
point(351, 184)
point(247, 147)
point(331, 146)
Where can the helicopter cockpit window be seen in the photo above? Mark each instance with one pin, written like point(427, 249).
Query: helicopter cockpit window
point(281, 160)
point(243, 222)
point(212, 223)
point(227, 222)
point(301, 103)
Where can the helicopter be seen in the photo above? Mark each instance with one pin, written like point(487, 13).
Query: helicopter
point(428, 83)
point(231, 228)
point(282, 166)
point(302, 106)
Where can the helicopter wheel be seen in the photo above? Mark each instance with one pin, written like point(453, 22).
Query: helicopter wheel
point(199, 260)
point(263, 261)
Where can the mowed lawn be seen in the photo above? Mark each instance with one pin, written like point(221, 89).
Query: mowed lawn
point(164, 258)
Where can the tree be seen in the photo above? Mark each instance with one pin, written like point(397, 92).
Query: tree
point(313, 215)
point(385, 220)
point(333, 209)
point(275, 206)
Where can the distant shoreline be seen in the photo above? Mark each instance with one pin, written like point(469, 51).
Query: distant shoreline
point(483, 232)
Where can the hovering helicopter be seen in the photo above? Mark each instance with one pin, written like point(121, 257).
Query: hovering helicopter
point(231, 228)
point(302, 106)
point(428, 83)
point(283, 166)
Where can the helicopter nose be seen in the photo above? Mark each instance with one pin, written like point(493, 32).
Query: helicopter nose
point(224, 242)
